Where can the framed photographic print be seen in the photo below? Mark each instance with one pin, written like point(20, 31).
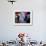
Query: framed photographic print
point(23, 18)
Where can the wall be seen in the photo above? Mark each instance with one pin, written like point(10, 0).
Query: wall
point(9, 31)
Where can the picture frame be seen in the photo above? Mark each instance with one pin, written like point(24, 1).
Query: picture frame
point(21, 14)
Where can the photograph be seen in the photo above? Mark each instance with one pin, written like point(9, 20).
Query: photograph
point(23, 17)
